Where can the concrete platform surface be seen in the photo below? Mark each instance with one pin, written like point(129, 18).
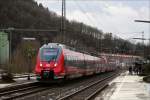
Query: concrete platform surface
point(126, 87)
point(18, 81)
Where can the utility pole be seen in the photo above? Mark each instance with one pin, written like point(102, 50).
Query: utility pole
point(10, 43)
point(10, 40)
point(142, 40)
point(63, 27)
point(101, 43)
point(10, 48)
point(145, 21)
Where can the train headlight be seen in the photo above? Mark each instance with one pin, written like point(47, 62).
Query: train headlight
point(55, 64)
point(41, 65)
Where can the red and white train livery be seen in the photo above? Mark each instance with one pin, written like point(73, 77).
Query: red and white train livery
point(57, 61)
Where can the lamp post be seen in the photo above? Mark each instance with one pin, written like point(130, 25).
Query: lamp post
point(29, 55)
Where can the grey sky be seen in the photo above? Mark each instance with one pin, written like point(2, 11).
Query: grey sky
point(116, 16)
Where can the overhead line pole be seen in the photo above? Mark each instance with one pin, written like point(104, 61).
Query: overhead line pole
point(62, 13)
point(64, 28)
point(10, 47)
point(142, 21)
point(142, 40)
point(63, 20)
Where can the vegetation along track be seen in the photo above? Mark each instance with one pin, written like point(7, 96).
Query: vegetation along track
point(20, 90)
point(67, 90)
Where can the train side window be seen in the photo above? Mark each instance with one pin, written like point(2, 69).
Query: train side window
point(66, 60)
point(85, 63)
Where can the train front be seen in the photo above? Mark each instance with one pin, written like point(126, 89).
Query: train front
point(50, 63)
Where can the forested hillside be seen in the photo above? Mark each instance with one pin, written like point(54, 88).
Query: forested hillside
point(29, 14)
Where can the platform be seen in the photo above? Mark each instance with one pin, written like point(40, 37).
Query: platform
point(126, 87)
point(18, 81)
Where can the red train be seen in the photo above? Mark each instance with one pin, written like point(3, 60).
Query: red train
point(57, 61)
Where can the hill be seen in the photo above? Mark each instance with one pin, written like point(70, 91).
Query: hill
point(29, 14)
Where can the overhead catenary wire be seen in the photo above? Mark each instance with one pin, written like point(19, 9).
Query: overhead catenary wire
point(91, 19)
point(93, 16)
point(84, 12)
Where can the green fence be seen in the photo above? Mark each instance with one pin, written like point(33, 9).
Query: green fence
point(4, 48)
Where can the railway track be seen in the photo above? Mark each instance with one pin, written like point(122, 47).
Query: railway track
point(88, 91)
point(18, 85)
point(77, 89)
point(17, 91)
point(82, 89)
point(21, 93)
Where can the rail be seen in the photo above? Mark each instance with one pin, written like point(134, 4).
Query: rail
point(10, 93)
point(103, 83)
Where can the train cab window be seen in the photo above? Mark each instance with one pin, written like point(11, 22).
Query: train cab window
point(48, 54)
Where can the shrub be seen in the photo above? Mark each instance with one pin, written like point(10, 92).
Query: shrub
point(146, 69)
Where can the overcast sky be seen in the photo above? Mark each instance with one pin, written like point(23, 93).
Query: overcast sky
point(116, 16)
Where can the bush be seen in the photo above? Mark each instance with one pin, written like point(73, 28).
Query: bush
point(8, 77)
point(20, 60)
point(146, 79)
point(146, 69)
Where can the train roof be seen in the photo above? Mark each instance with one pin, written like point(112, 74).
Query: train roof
point(51, 45)
point(58, 45)
point(119, 55)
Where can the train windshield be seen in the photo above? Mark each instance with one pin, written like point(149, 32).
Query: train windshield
point(48, 54)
